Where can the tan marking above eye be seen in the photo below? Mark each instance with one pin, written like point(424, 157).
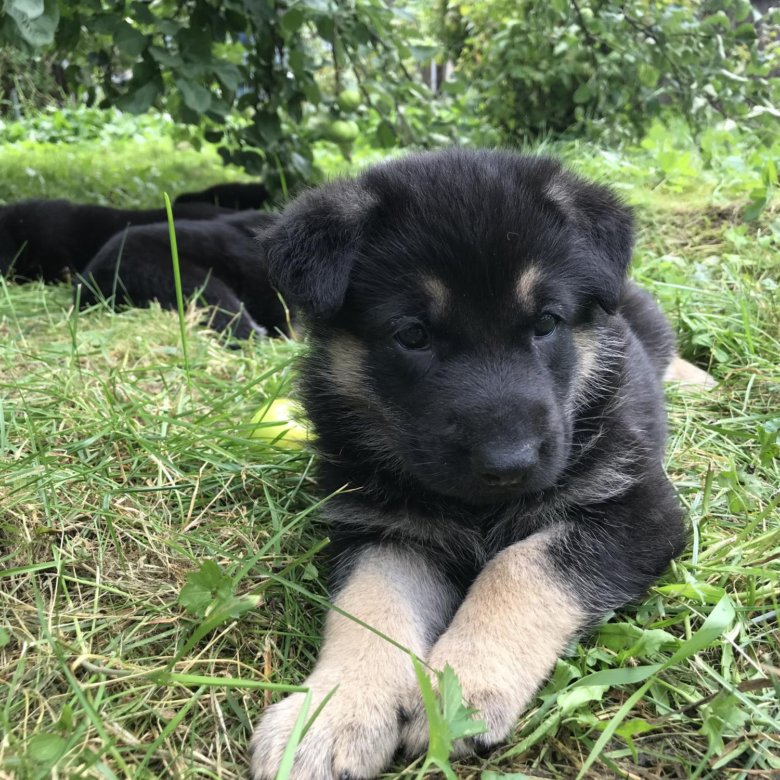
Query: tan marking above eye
point(346, 369)
point(437, 293)
point(527, 279)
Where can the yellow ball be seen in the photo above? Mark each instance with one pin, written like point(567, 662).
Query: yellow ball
point(277, 422)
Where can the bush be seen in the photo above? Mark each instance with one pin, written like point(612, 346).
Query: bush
point(609, 68)
point(263, 80)
point(73, 124)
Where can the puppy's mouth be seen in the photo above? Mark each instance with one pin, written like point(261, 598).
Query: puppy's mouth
point(491, 474)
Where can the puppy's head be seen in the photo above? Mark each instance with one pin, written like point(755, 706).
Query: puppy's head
point(452, 299)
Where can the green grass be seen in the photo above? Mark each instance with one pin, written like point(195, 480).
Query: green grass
point(124, 173)
point(160, 570)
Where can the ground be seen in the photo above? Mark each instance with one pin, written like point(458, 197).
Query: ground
point(161, 575)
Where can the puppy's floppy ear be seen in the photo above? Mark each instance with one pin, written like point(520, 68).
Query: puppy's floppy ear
point(605, 225)
point(312, 247)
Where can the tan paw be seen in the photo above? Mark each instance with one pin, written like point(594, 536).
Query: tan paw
point(685, 373)
point(494, 710)
point(354, 736)
point(484, 690)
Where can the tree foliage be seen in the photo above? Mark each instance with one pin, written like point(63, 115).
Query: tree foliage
point(609, 67)
point(264, 78)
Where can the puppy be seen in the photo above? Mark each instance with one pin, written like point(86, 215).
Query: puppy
point(220, 261)
point(44, 239)
point(488, 384)
point(233, 195)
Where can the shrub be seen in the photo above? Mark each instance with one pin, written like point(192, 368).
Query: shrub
point(609, 68)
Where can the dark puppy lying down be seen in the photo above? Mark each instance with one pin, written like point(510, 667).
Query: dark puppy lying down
point(221, 262)
point(487, 382)
point(42, 239)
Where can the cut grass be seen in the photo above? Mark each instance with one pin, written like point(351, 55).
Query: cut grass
point(159, 569)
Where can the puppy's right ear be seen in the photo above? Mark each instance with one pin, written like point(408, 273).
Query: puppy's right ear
point(312, 247)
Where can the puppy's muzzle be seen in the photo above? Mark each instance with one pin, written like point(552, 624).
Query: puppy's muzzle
point(506, 466)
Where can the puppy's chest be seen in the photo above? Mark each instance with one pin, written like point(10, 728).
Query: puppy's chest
point(472, 538)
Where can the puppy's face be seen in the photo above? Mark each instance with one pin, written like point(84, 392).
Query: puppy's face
point(450, 296)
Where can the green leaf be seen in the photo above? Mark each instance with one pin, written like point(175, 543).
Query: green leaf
point(546, 727)
point(30, 8)
point(292, 20)
point(129, 40)
point(268, 126)
point(574, 698)
point(5, 637)
point(164, 57)
point(37, 22)
point(648, 75)
point(695, 591)
point(385, 135)
point(66, 720)
point(228, 74)
point(632, 641)
point(631, 728)
point(326, 28)
point(623, 676)
point(448, 718)
point(459, 718)
point(583, 93)
point(136, 101)
point(104, 23)
point(46, 748)
point(716, 623)
point(722, 717)
point(203, 586)
point(195, 96)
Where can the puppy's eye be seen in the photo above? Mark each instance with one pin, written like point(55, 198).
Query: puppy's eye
point(545, 324)
point(413, 336)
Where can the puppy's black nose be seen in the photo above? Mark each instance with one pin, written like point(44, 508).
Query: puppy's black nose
point(505, 466)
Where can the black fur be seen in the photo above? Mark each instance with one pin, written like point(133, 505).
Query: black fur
point(427, 437)
point(220, 260)
point(233, 195)
point(44, 239)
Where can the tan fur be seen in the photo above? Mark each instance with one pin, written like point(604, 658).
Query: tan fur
point(505, 638)
point(559, 192)
point(346, 371)
point(686, 373)
point(524, 286)
point(586, 344)
point(358, 731)
point(438, 295)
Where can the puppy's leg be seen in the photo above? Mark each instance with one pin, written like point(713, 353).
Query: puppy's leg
point(537, 595)
point(515, 622)
point(686, 373)
point(399, 594)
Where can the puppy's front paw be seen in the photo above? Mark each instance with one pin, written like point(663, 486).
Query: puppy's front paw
point(353, 737)
point(485, 688)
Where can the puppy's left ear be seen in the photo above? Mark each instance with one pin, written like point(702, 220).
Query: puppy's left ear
point(606, 227)
point(313, 245)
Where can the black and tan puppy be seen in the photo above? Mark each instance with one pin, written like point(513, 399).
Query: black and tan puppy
point(43, 239)
point(220, 260)
point(483, 376)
